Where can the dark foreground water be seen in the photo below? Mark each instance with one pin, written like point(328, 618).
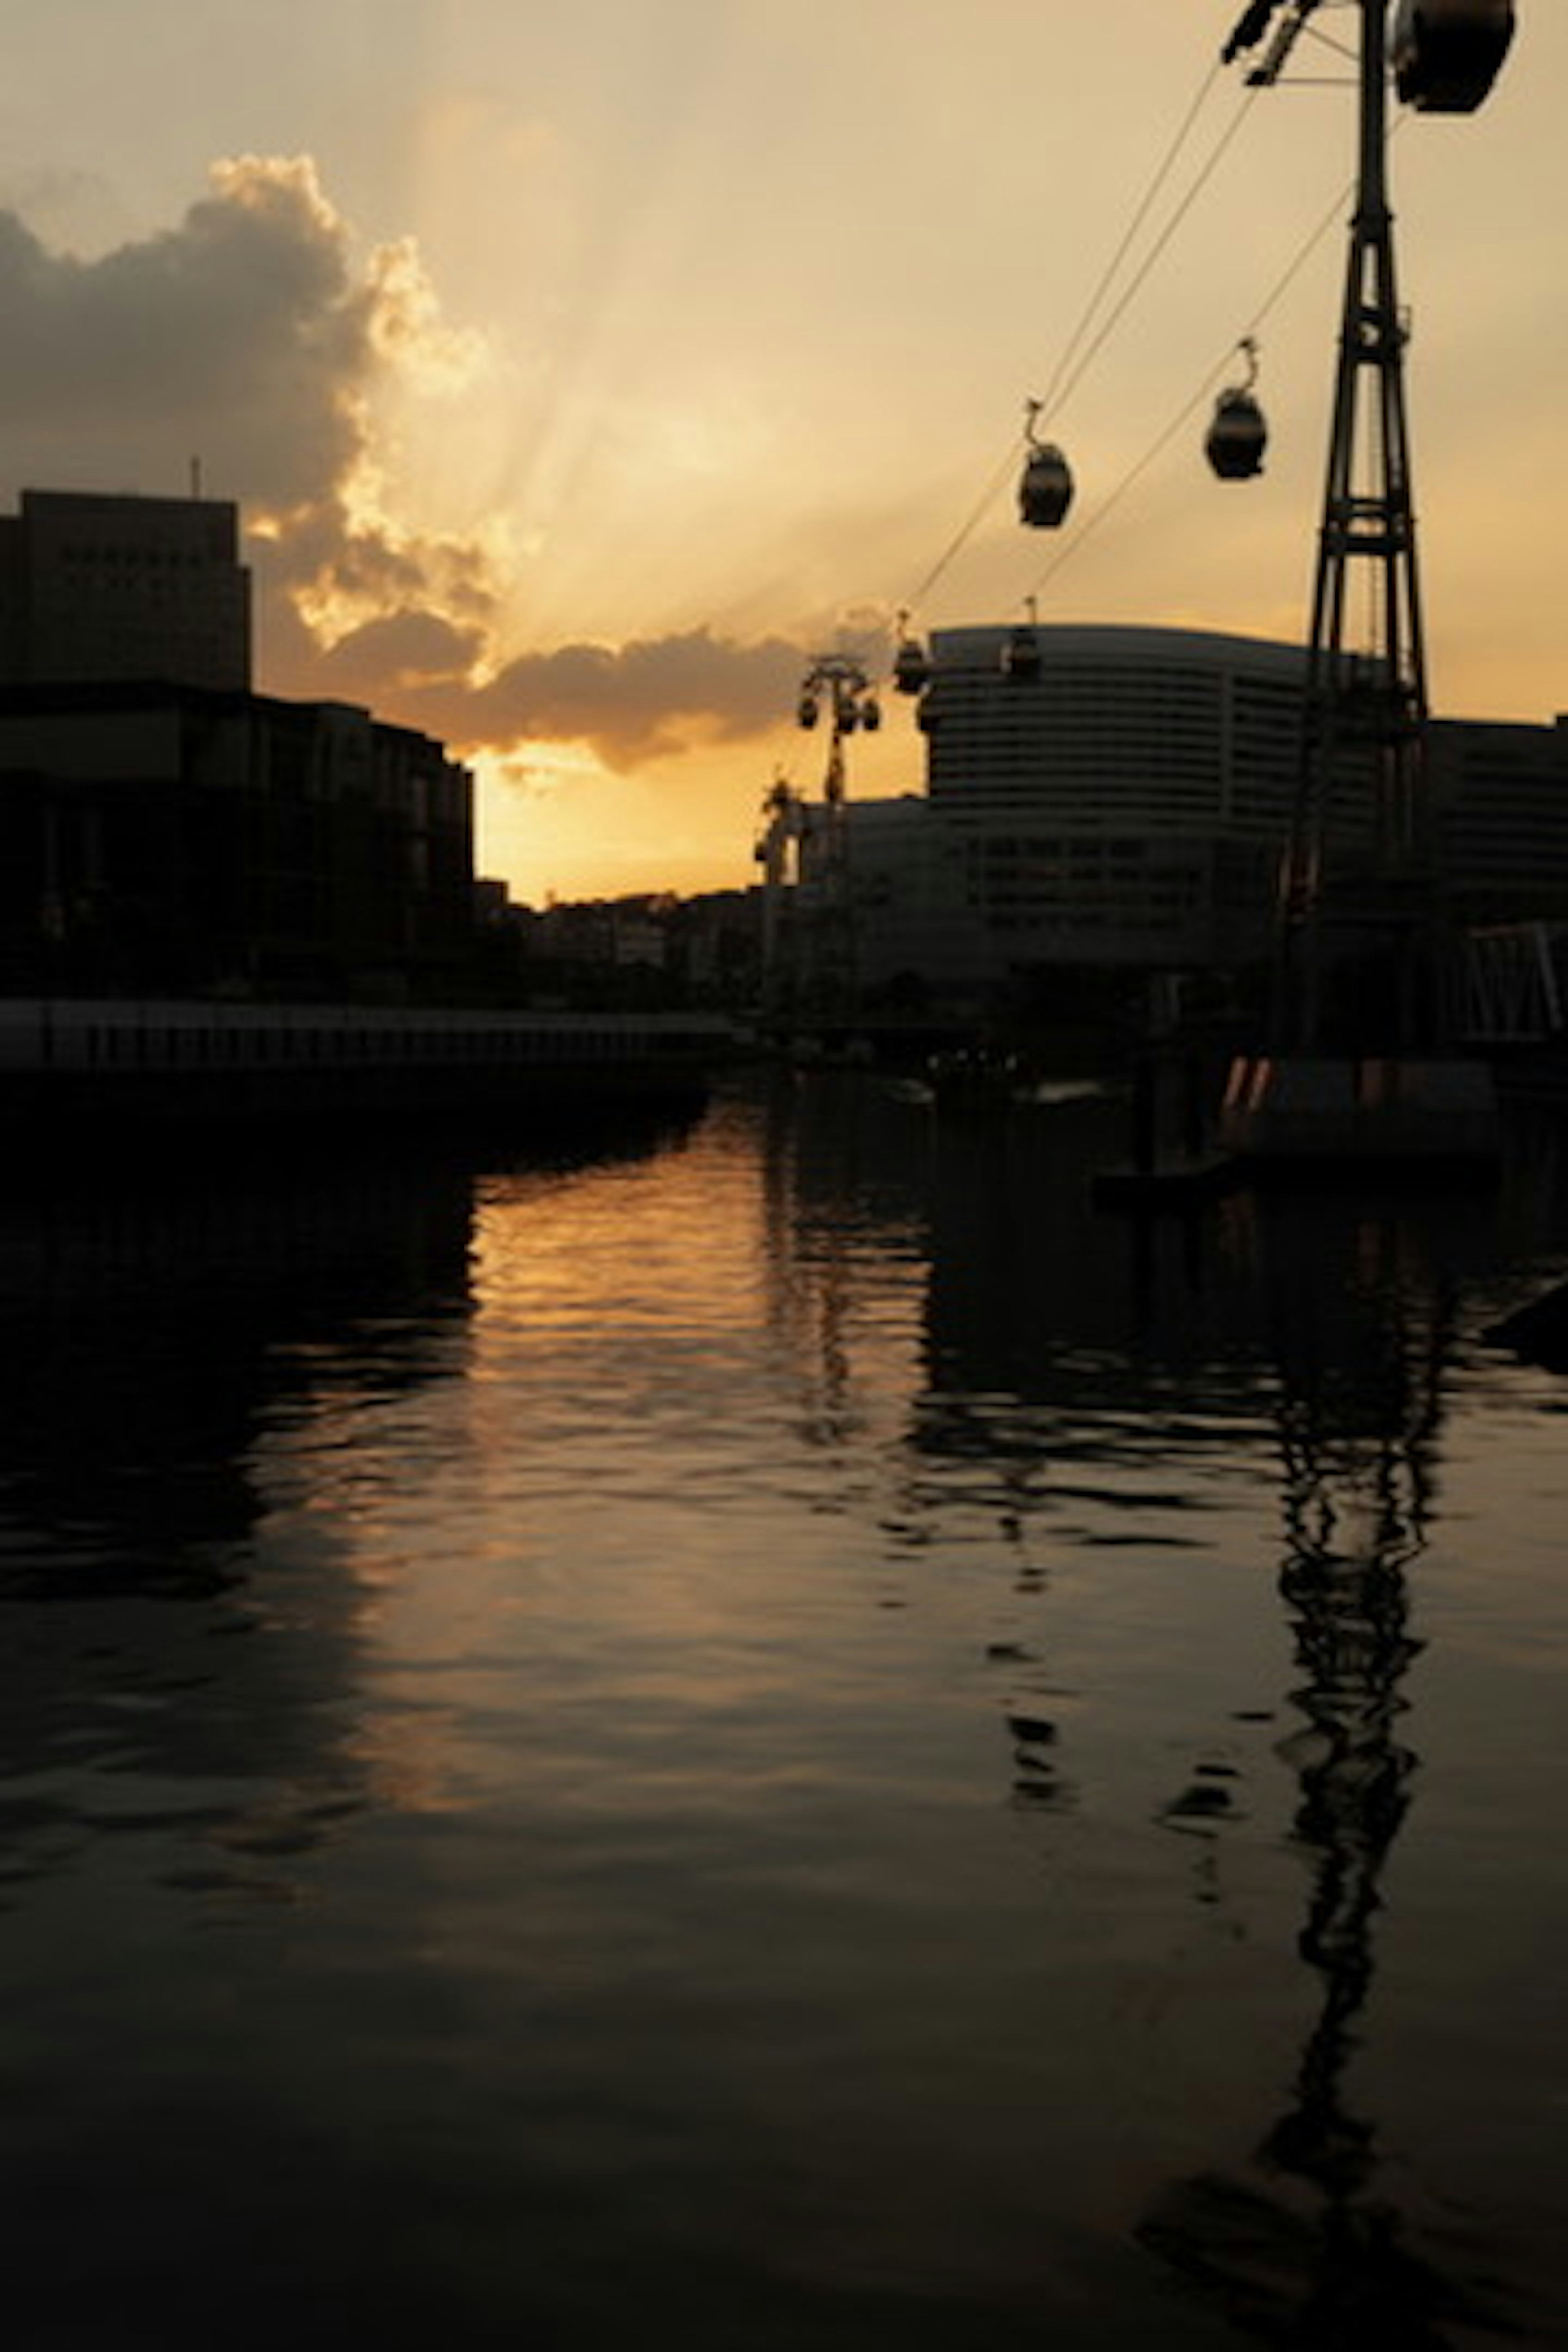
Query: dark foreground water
point(785, 1739)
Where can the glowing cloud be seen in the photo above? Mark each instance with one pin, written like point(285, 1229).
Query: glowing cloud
point(255, 334)
point(250, 338)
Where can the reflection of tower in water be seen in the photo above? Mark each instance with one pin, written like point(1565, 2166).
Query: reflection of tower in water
point(1357, 1445)
point(1304, 2250)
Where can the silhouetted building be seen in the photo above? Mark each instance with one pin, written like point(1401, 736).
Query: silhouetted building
point(98, 587)
point(1500, 789)
point(165, 829)
point(1118, 799)
point(1121, 797)
point(167, 838)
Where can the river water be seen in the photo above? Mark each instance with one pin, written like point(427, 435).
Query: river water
point(782, 1737)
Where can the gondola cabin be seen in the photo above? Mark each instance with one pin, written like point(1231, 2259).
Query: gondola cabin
point(806, 710)
point(1447, 54)
point(1237, 437)
point(1044, 491)
point(871, 715)
point(1021, 656)
point(911, 671)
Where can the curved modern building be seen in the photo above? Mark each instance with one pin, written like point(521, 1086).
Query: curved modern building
point(1172, 727)
point(1102, 796)
point(1113, 794)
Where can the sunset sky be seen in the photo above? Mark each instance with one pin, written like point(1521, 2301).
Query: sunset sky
point(582, 371)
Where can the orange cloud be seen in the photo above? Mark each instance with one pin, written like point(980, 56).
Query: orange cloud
point(255, 335)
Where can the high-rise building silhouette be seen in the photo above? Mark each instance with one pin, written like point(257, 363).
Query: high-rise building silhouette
point(166, 829)
point(99, 587)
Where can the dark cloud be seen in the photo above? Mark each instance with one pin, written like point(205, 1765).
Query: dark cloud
point(241, 337)
point(629, 704)
point(254, 337)
point(390, 665)
point(643, 699)
point(251, 337)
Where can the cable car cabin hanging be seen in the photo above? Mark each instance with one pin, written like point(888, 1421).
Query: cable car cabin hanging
point(1446, 53)
point(1237, 437)
point(806, 710)
point(911, 671)
point(1044, 491)
point(1238, 434)
point(1021, 654)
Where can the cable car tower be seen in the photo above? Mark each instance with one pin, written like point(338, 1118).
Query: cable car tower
point(838, 684)
point(1365, 710)
point(1362, 967)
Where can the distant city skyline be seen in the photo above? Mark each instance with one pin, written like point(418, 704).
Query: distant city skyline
point(580, 376)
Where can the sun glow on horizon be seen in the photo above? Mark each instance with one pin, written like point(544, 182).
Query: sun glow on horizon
point(569, 414)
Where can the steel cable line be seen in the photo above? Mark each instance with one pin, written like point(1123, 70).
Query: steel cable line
point(961, 540)
point(1156, 447)
point(1109, 505)
point(1156, 250)
point(1049, 397)
point(1075, 343)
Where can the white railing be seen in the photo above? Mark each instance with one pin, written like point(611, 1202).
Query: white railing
point(77, 1034)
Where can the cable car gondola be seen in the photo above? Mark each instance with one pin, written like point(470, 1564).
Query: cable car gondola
point(1237, 437)
point(910, 668)
point(911, 665)
point(1045, 492)
point(1045, 487)
point(871, 715)
point(806, 710)
point(1021, 654)
point(1239, 434)
point(1446, 53)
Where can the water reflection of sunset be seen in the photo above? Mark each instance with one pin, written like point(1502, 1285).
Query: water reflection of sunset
point(795, 1728)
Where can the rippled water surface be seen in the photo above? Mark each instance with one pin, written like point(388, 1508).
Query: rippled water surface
point(786, 1738)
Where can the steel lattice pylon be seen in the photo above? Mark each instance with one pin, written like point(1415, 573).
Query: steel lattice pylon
point(1361, 897)
point(839, 683)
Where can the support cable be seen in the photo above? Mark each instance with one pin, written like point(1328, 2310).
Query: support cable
point(1108, 275)
point(1168, 435)
point(1066, 388)
point(1055, 391)
point(1071, 368)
